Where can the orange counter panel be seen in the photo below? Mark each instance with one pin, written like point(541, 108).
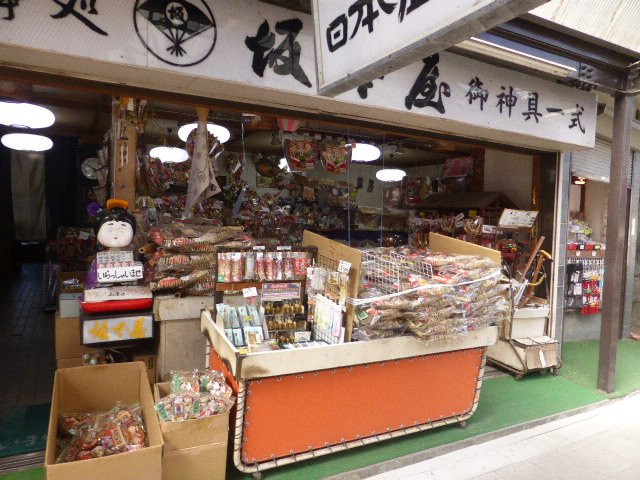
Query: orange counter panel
point(297, 413)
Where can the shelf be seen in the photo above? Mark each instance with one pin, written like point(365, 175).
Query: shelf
point(225, 286)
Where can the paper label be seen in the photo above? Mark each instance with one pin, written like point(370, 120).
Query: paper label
point(258, 248)
point(283, 248)
point(273, 292)
point(114, 256)
point(128, 272)
point(344, 267)
point(132, 292)
point(250, 292)
point(490, 229)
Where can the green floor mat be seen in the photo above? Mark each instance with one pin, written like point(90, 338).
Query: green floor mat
point(581, 365)
point(24, 430)
point(31, 474)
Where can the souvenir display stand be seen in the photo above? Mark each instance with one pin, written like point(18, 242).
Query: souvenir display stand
point(301, 403)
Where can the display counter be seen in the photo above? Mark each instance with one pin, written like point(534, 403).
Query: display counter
point(298, 404)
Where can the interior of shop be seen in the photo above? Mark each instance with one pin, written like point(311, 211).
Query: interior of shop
point(282, 180)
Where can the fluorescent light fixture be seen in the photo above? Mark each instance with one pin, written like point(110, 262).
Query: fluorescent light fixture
point(284, 165)
point(489, 49)
point(169, 154)
point(390, 175)
point(579, 181)
point(220, 132)
point(27, 142)
point(363, 152)
point(25, 115)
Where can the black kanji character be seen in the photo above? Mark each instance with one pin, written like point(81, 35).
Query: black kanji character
point(337, 33)
point(69, 8)
point(506, 100)
point(364, 19)
point(363, 90)
point(260, 45)
point(426, 86)
point(476, 92)
point(532, 105)
point(10, 5)
point(387, 7)
point(575, 118)
point(406, 9)
point(285, 58)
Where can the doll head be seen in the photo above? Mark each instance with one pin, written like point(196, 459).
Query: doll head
point(115, 226)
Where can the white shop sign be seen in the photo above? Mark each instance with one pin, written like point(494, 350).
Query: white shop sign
point(117, 329)
point(359, 41)
point(268, 47)
point(131, 292)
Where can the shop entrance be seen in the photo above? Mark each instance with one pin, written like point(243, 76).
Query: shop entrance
point(399, 186)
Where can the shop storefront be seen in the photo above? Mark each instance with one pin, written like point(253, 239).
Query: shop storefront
point(468, 140)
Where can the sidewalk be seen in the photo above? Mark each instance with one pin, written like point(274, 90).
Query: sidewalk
point(596, 445)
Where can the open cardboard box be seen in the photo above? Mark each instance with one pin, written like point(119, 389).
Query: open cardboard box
point(97, 389)
point(193, 449)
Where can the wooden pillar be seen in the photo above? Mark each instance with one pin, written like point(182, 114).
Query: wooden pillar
point(124, 155)
point(614, 282)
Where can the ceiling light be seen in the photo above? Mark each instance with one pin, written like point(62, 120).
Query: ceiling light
point(169, 154)
point(579, 181)
point(220, 132)
point(25, 115)
point(26, 142)
point(489, 49)
point(363, 152)
point(390, 175)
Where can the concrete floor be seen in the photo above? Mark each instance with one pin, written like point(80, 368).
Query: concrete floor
point(601, 444)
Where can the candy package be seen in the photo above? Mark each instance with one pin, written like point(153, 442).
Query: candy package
point(86, 435)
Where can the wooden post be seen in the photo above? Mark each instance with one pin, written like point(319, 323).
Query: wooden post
point(125, 141)
point(614, 283)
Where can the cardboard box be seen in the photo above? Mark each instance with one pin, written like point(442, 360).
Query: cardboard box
point(68, 362)
point(68, 339)
point(69, 305)
point(97, 389)
point(208, 462)
point(191, 433)
point(193, 449)
point(150, 362)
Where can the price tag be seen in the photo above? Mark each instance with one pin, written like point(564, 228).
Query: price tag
point(284, 248)
point(258, 248)
point(250, 292)
point(344, 267)
point(489, 229)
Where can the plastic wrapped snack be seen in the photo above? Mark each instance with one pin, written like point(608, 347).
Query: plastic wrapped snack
point(117, 431)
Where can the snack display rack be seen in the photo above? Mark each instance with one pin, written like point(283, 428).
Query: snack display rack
point(371, 390)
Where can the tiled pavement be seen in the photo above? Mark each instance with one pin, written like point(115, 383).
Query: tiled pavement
point(601, 444)
point(27, 356)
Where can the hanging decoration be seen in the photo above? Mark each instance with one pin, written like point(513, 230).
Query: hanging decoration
point(336, 158)
point(202, 178)
point(301, 154)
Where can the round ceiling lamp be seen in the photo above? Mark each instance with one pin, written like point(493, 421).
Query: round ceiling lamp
point(25, 115)
point(364, 152)
point(390, 175)
point(169, 154)
point(26, 142)
point(220, 132)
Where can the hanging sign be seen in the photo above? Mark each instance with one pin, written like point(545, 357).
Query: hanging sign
point(267, 50)
point(517, 218)
point(360, 41)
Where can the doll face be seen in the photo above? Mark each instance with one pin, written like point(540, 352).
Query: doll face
point(114, 234)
